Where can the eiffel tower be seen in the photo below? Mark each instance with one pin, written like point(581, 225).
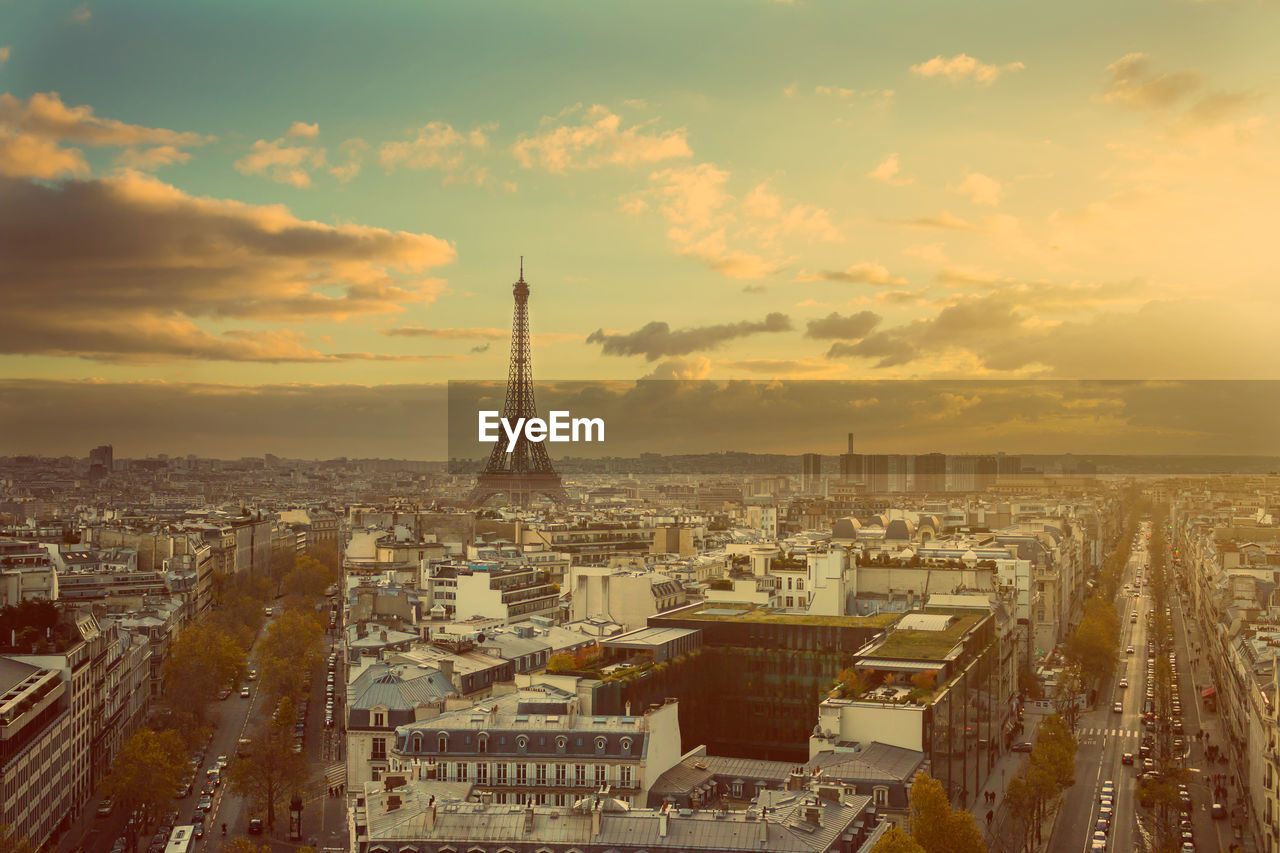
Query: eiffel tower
point(525, 471)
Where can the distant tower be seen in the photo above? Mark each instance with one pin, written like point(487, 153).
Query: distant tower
point(525, 471)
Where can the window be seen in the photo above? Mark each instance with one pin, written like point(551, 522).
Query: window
point(600, 774)
point(624, 775)
point(560, 774)
point(482, 745)
point(600, 745)
point(462, 772)
point(379, 720)
point(579, 775)
point(880, 795)
point(502, 774)
point(482, 774)
point(561, 743)
point(626, 746)
point(522, 743)
point(800, 585)
point(415, 743)
point(522, 774)
point(379, 749)
point(540, 774)
point(735, 789)
point(443, 742)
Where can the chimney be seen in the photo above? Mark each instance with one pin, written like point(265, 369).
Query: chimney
point(528, 819)
point(813, 815)
point(795, 781)
point(764, 827)
point(393, 802)
point(383, 636)
point(595, 820)
point(663, 817)
point(392, 782)
point(431, 814)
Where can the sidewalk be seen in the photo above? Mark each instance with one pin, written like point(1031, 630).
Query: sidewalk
point(1007, 766)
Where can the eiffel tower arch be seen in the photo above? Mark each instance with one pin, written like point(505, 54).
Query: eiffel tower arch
point(527, 470)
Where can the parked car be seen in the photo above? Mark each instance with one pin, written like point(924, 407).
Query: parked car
point(1025, 746)
point(255, 826)
point(244, 692)
point(105, 807)
point(1218, 812)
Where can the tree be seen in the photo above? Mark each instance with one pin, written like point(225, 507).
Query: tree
point(936, 826)
point(244, 844)
point(1066, 697)
point(202, 661)
point(291, 652)
point(896, 841)
point(308, 580)
point(145, 774)
point(272, 771)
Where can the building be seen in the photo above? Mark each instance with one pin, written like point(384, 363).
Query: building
point(628, 598)
point(383, 698)
point(420, 817)
point(38, 761)
point(26, 572)
point(931, 473)
point(811, 473)
point(542, 751)
point(490, 590)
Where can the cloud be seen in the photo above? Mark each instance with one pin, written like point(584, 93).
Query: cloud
point(437, 145)
point(124, 267)
point(600, 140)
point(963, 67)
point(861, 273)
point(353, 150)
point(887, 349)
point(4, 53)
point(1132, 85)
point(980, 188)
point(681, 368)
point(481, 348)
point(781, 367)
point(32, 134)
point(656, 340)
point(736, 238)
point(887, 172)
point(446, 334)
point(150, 159)
point(301, 128)
point(81, 14)
point(945, 221)
point(1135, 86)
point(837, 326)
point(878, 97)
point(45, 115)
point(282, 162)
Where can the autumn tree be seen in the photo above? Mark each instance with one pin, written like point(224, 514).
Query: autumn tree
point(308, 580)
point(243, 844)
point(202, 661)
point(1094, 644)
point(895, 840)
point(936, 826)
point(1066, 696)
point(925, 680)
point(290, 653)
point(272, 771)
point(146, 772)
point(1035, 791)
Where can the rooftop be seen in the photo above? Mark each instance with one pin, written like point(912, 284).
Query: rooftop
point(925, 644)
point(724, 611)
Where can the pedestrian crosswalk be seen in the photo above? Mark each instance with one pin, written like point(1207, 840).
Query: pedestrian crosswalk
point(1111, 732)
point(336, 774)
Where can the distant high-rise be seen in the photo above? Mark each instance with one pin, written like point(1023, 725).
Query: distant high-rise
point(931, 472)
point(811, 473)
point(101, 461)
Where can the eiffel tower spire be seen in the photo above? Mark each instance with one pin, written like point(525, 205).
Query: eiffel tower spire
point(527, 470)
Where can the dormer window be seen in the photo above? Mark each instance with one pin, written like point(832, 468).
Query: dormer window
point(379, 720)
point(561, 743)
point(443, 742)
point(482, 743)
point(522, 743)
point(600, 745)
point(626, 746)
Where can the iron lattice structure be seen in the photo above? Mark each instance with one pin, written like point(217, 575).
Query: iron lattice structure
point(526, 471)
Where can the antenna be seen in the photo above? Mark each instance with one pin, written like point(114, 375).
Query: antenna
point(522, 267)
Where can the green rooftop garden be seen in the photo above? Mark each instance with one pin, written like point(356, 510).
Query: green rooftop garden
point(926, 645)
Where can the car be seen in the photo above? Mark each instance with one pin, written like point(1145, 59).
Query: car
point(1218, 811)
point(244, 692)
point(253, 675)
point(105, 807)
point(1103, 826)
point(1124, 684)
point(1024, 746)
point(1129, 651)
point(226, 691)
point(267, 611)
point(1127, 758)
point(198, 829)
point(221, 761)
point(1099, 835)
point(255, 826)
point(1133, 619)
point(205, 802)
point(198, 817)
point(1118, 708)
point(184, 790)
point(119, 845)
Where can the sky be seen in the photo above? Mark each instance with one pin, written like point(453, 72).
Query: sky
point(244, 207)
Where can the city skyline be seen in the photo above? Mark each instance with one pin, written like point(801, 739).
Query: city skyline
point(840, 193)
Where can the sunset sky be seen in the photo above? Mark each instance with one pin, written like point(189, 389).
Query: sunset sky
point(302, 200)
